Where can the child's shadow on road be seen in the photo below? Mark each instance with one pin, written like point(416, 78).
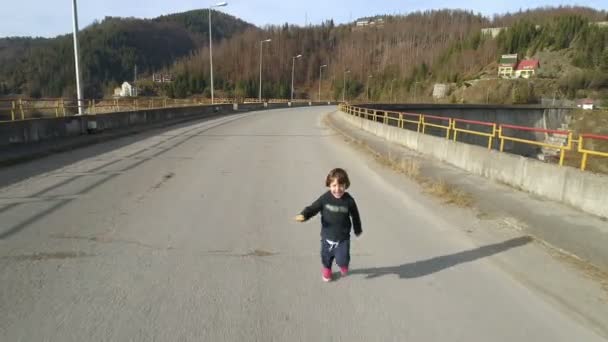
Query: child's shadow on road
point(436, 264)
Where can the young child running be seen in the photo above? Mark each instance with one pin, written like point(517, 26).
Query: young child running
point(337, 207)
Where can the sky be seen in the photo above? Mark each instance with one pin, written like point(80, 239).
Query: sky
point(49, 18)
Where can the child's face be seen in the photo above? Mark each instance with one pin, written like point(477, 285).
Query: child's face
point(336, 189)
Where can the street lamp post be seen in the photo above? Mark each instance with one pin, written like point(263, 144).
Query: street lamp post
point(76, 59)
point(344, 84)
point(320, 69)
point(293, 63)
point(369, 77)
point(261, 45)
point(220, 4)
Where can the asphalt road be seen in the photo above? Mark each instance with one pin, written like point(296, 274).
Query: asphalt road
point(186, 234)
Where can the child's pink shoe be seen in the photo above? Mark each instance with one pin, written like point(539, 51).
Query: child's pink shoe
point(326, 274)
point(344, 271)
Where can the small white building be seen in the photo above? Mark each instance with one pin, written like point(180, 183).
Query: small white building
point(586, 104)
point(492, 31)
point(440, 90)
point(125, 90)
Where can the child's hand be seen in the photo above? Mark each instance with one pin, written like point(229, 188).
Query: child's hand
point(300, 218)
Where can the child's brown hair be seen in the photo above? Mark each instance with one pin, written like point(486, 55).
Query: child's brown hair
point(338, 174)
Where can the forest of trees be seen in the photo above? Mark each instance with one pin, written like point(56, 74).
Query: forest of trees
point(443, 46)
point(396, 54)
point(389, 60)
point(109, 52)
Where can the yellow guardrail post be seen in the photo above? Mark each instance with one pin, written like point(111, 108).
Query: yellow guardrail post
point(423, 124)
point(63, 107)
point(21, 109)
point(447, 130)
point(13, 111)
point(400, 123)
point(492, 137)
point(562, 150)
point(502, 139)
point(385, 118)
point(580, 149)
point(455, 130)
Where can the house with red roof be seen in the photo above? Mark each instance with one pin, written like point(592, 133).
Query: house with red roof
point(527, 68)
point(586, 104)
point(511, 67)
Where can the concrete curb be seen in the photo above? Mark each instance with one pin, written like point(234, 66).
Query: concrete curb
point(583, 190)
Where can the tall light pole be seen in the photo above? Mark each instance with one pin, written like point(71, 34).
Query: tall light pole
point(76, 59)
point(320, 74)
point(219, 4)
point(369, 77)
point(344, 84)
point(261, 45)
point(415, 85)
point(293, 63)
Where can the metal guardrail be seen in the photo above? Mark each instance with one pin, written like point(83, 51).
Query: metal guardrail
point(25, 109)
point(492, 130)
point(490, 135)
point(562, 149)
point(587, 152)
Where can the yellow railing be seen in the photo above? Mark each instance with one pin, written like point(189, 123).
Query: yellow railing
point(587, 152)
point(489, 135)
point(562, 149)
point(490, 130)
point(437, 122)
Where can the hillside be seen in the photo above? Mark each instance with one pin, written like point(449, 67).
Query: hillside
point(406, 55)
point(110, 49)
point(390, 58)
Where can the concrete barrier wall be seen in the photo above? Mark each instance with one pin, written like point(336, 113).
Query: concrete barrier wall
point(584, 190)
point(38, 130)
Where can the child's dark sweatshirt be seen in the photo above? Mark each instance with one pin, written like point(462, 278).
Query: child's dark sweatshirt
point(336, 216)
